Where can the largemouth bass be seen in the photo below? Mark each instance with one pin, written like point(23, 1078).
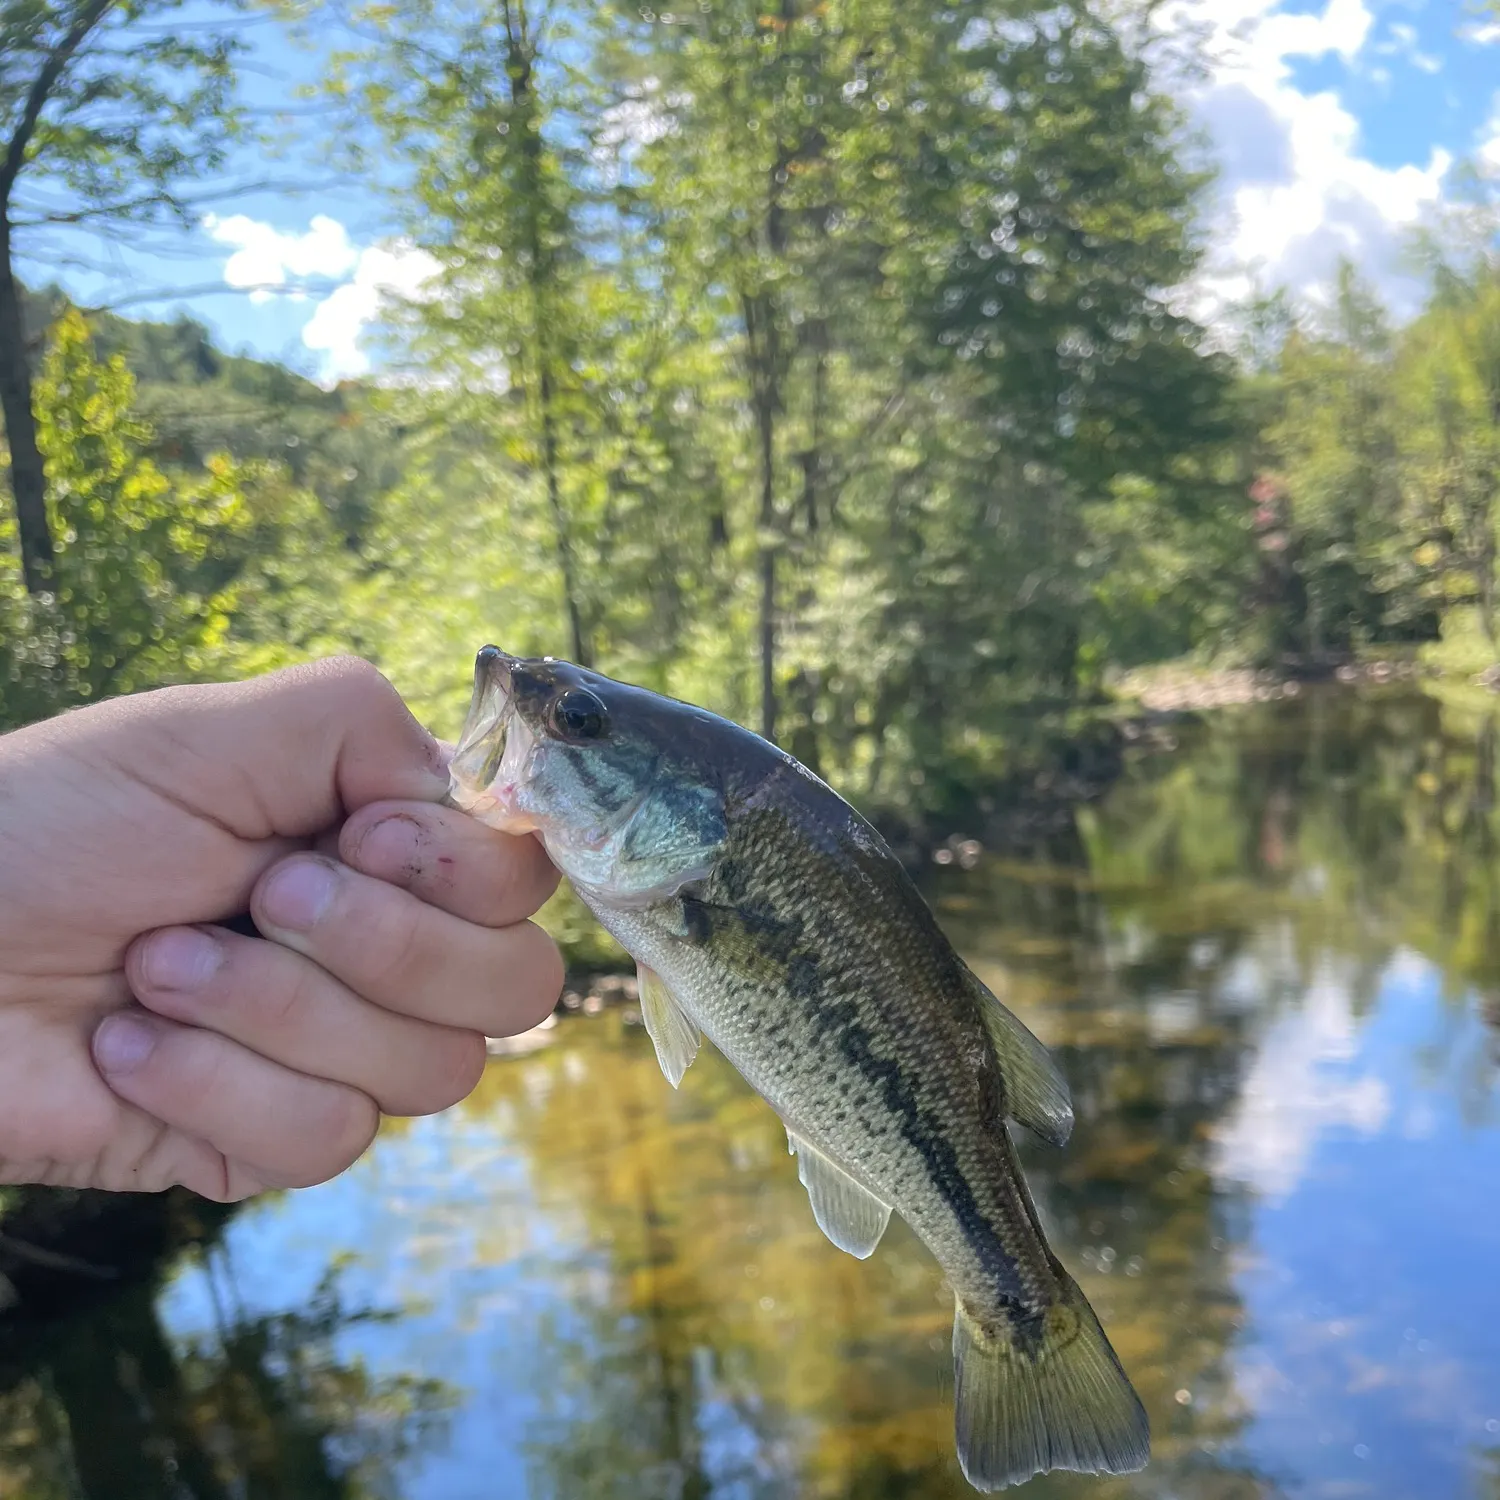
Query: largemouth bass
point(767, 915)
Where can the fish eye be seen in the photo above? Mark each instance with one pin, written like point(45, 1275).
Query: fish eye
point(578, 715)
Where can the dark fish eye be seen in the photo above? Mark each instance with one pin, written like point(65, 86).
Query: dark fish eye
point(578, 715)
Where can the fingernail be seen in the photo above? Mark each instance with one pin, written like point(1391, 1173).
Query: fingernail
point(182, 958)
point(297, 895)
point(123, 1043)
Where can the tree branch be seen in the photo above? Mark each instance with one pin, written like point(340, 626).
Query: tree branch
point(178, 202)
point(310, 287)
point(41, 90)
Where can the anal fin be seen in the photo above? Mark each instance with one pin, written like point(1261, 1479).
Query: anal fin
point(677, 1039)
point(1036, 1093)
point(850, 1215)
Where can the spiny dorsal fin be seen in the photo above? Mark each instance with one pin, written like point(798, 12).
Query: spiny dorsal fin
point(677, 1039)
point(850, 1215)
point(1036, 1093)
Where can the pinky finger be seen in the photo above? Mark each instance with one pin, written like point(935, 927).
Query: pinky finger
point(278, 1128)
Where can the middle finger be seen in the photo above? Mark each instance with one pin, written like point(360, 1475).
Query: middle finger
point(287, 1009)
point(397, 951)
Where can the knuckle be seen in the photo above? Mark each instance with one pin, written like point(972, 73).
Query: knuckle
point(358, 682)
point(400, 952)
point(461, 1066)
point(340, 686)
point(550, 967)
point(353, 673)
point(449, 1072)
point(279, 997)
point(343, 1122)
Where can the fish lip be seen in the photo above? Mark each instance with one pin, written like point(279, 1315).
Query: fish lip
point(493, 662)
point(486, 731)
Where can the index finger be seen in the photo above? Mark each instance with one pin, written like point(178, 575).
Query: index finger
point(449, 860)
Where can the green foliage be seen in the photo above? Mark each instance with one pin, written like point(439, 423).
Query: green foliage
point(138, 107)
point(343, 444)
point(1380, 498)
point(138, 581)
point(161, 575)
point(1448, 405)
point(812, 363)
point(1332, 531)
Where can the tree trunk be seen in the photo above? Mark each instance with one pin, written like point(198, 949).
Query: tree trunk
point(582, 651)
point(767, 424)
point(520, 59)
point(28, 481)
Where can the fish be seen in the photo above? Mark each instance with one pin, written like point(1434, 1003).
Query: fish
point(764, 913)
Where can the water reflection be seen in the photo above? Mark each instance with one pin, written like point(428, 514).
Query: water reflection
point(111, 1404)
point(1266, 961)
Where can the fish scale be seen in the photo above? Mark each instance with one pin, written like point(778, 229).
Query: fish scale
point(767, 914)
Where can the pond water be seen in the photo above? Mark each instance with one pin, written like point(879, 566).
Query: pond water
point(1269, 960)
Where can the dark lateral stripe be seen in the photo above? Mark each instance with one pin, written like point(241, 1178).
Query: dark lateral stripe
point(789, 862)
point(841, 1019)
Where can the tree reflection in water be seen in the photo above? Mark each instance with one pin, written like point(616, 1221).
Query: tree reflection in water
point(716, 1345)
point(1264, 960)
point(107, 1406)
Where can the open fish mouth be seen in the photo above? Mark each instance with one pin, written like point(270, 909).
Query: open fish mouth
point(492, 761)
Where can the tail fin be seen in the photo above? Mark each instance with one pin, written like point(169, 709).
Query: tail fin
point(1057, 1401)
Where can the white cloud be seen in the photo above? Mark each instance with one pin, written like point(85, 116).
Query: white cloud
point(268, 260)
point(1402, 42)
point(337, 327)
point(1295, 193)
point(1489, 140)
point(1300, 1085)
point(273, 262)
point(1481, 33)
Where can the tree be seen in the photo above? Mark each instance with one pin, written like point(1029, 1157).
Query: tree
point(106, 111)
point(1333, 525)
point(828, 326)
point(466, 97)
point(1449, 401)
point(935, 246)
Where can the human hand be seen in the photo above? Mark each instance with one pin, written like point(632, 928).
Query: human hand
point(247, 1063)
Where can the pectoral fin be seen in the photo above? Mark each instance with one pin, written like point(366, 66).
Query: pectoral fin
point(1036, 1093)
point(850, 1215)
point(677, 1039)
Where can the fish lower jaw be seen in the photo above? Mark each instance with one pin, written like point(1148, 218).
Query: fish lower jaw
point(495, 808)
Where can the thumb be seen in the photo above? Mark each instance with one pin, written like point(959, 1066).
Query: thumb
point(286, 754)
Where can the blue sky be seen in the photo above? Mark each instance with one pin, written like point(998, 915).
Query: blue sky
point(1338, 127)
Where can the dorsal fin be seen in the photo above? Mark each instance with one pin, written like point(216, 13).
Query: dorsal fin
point(1035, 1092)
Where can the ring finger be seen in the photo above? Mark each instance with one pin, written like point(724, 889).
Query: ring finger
point(289, 1010)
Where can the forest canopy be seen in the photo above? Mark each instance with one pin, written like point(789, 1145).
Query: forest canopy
point(824, 364)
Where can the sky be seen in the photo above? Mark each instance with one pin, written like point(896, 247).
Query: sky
point(1338, 129)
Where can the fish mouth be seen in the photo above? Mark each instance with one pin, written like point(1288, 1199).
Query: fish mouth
point(492, 761)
